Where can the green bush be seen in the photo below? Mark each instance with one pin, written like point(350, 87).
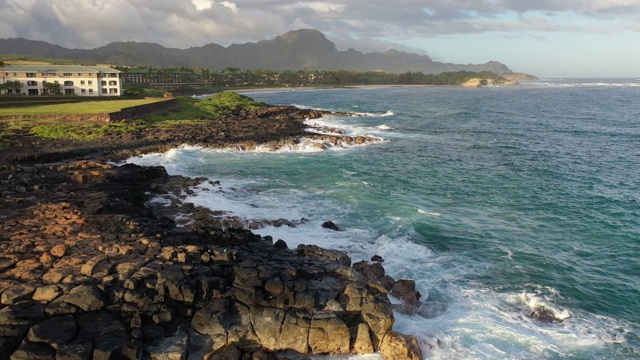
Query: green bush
point(225, 103)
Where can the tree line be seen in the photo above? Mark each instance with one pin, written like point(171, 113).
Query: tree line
point(240, 78)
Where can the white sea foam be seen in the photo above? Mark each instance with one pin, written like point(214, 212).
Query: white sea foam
point(374, 115)
point(420, 211)
point(347, 126)
point(477, 322)
point(586, 84)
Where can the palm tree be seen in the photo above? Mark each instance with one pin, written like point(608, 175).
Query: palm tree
point(2, 68)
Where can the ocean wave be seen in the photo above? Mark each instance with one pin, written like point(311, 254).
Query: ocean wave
point(538, 307)
point(368, 114)
point(332, 125)
point(596, 84)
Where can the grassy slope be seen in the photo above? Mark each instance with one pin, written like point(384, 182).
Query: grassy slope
point(190, 111)
point(89, 107)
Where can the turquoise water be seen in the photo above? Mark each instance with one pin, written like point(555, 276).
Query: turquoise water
point(497, 201)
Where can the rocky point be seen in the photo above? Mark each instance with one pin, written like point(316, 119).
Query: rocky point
point(91, 269)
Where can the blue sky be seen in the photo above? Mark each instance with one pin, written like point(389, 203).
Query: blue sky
point(548, 38)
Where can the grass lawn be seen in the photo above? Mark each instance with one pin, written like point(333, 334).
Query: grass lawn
point(190, 111)
point(88, 107)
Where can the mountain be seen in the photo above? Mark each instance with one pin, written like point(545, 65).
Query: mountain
point(295, 50)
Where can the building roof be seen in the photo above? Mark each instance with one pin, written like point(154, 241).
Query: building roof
point(60, 68)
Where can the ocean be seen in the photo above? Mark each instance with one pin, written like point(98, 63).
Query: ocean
point(499, 202)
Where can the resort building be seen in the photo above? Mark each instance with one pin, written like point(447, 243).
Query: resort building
point(63, 79)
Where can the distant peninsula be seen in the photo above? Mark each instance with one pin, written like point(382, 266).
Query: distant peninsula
point(295, 50)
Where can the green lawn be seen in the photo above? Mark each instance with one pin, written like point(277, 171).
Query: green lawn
point(89, 107)
point(190, 111)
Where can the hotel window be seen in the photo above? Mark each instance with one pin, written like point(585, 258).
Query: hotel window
point(68, 83)
point(90, 91)
point(90, 82)
point(112, 83)
point(81, 82)
point(32, 83)
point(104, 90)
point(31, 75)
point(113, 91)
point(68, 74)
point(103, 83)
point(83, 90)
point(15, 74)
point(79, 74)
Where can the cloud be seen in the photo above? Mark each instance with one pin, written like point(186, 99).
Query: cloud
point(371, 25)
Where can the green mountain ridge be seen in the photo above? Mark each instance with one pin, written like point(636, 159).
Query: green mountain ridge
point(295, 50)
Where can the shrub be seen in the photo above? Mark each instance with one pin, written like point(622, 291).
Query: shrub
point(225, 103)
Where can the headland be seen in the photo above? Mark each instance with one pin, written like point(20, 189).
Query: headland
point(90, 267)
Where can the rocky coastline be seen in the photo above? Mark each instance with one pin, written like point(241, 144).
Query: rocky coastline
point(91, 268)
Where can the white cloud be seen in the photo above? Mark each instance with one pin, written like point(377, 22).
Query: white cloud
point(230, 5)
point(378, 24)
point(202, 4)
point(324, 7)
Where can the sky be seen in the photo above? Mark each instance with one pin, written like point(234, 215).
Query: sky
point(547, 38)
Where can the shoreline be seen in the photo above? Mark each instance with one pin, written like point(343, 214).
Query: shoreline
point(82, 245)
point(309, 88)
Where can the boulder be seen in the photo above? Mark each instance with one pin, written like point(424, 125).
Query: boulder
point(46, 293)
point(211, 318)
point(280, 244)
point(86, 297)
point(330, 225)
point(398, 346)
point(54, 332)
point(16, 293)
point(267, 324)
point(316, 252)
point(295, 332)
point(75, 351)
point(545, 315)
point(33, 351)
point(328, 335)
point(170, 348)
point(116, 346)
point(405, 290)
point(361, 339)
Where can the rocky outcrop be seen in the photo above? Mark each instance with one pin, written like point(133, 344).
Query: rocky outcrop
point(477, 82)
point(271, 128)
point(519, 77)
point(88, 270)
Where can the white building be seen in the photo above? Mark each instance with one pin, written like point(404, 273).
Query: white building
point(73, 79)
